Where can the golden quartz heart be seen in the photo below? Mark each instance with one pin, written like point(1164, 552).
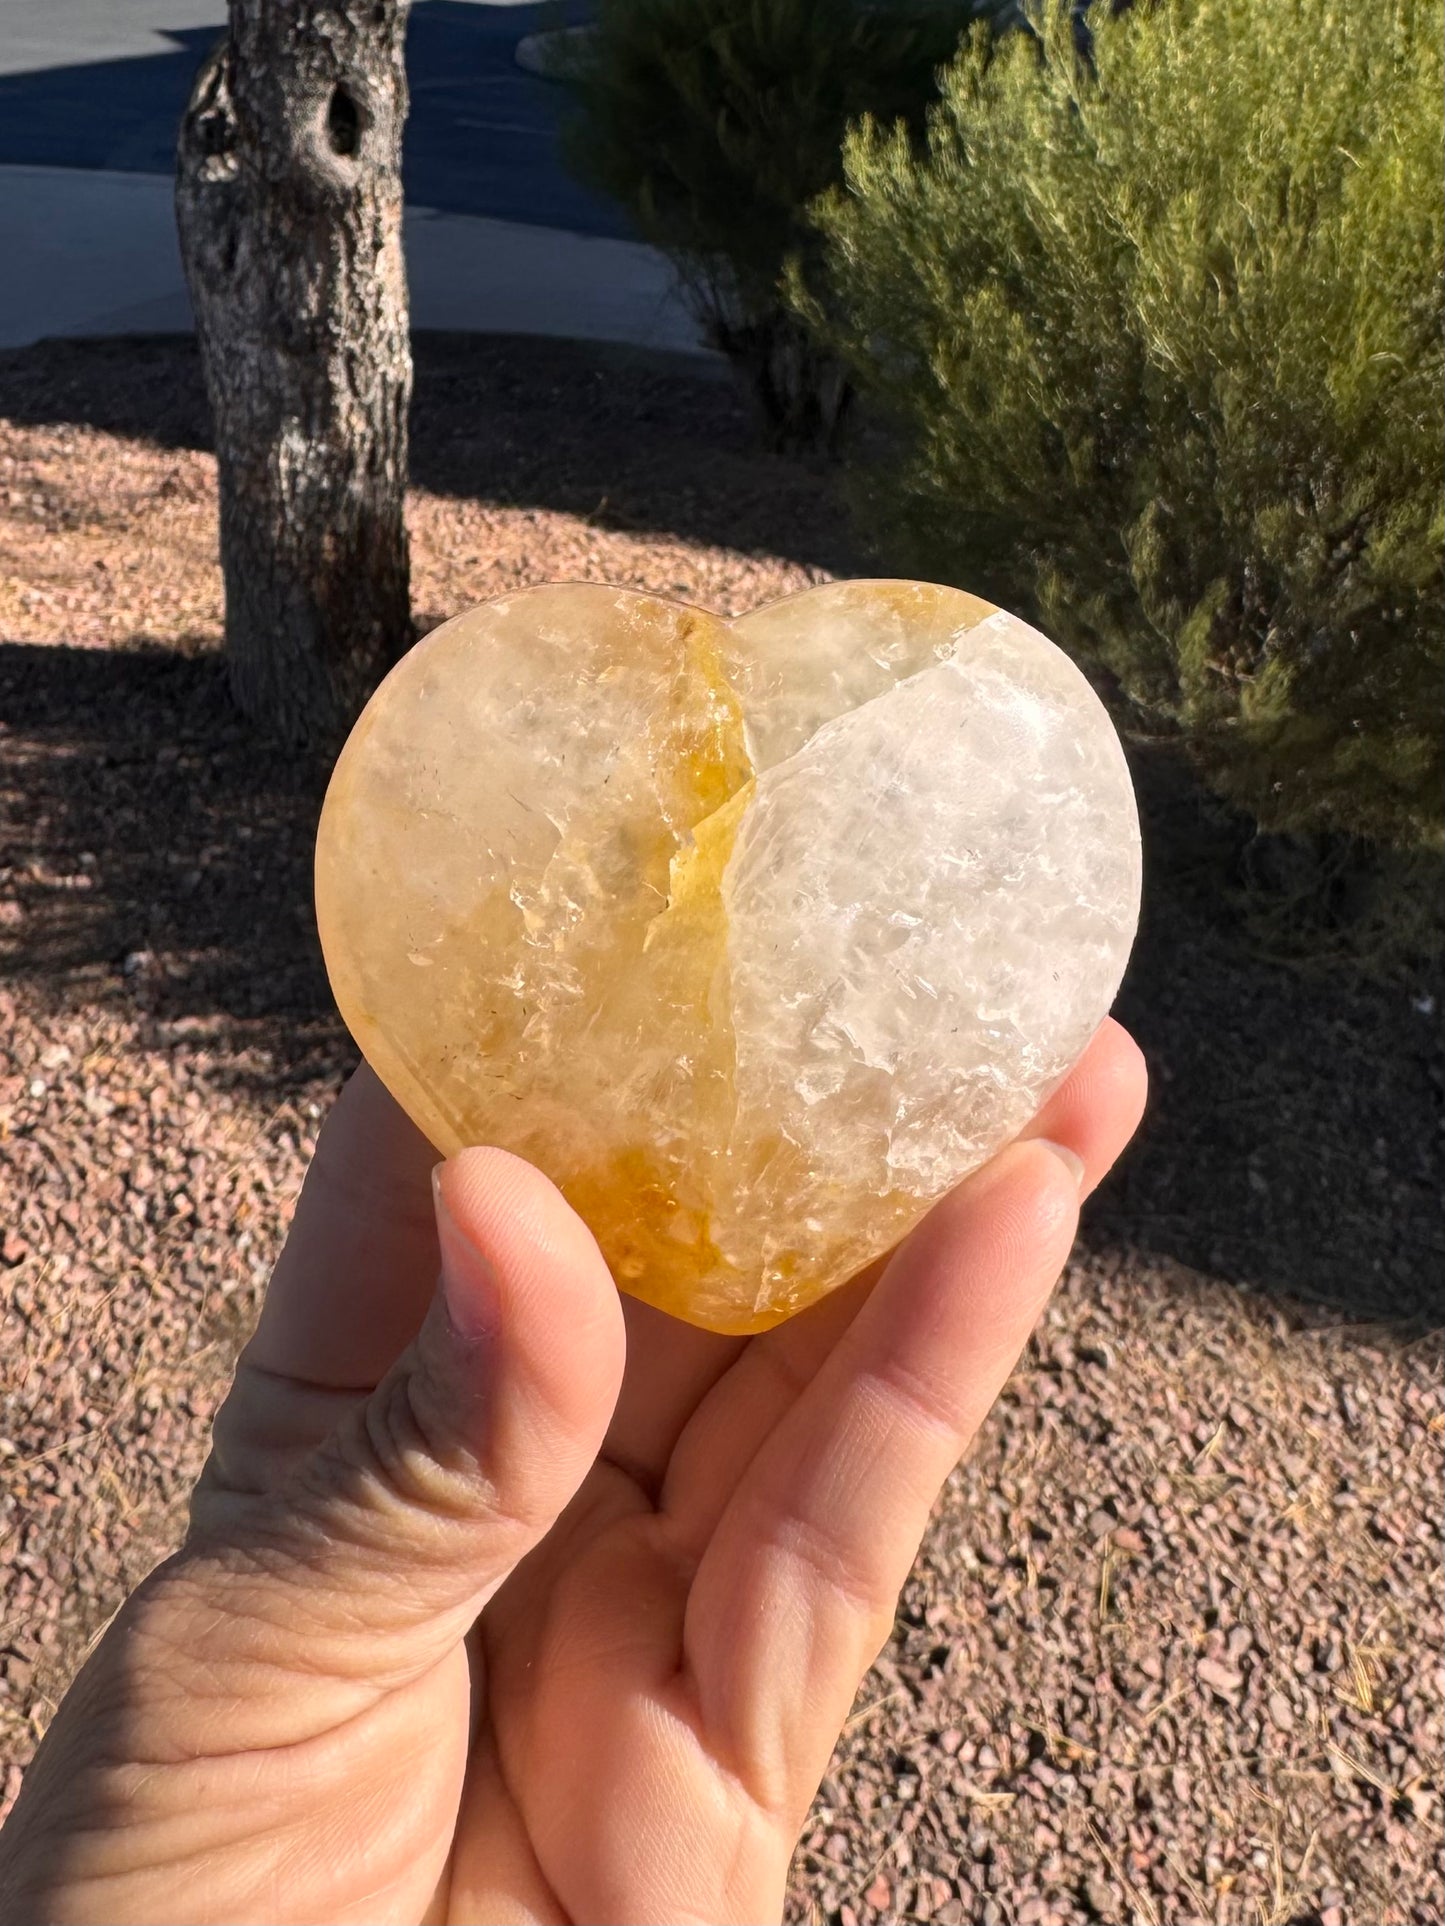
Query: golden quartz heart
point(755, 936)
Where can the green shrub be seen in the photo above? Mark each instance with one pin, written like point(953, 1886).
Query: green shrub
point(716, 122)
point(1160, 334)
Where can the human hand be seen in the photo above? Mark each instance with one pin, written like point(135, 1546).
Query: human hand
point(506, 1599)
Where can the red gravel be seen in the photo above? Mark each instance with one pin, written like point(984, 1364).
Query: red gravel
point(1173, 1649)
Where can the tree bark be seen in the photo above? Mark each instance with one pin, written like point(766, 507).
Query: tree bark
point(288, 199)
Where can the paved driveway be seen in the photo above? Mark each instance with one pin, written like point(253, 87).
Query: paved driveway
point(498, 238)
point(101, 84)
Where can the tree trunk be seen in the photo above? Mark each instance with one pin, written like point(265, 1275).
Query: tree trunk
point(288, 198)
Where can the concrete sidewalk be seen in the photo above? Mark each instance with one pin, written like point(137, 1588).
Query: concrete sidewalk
point(89, 253)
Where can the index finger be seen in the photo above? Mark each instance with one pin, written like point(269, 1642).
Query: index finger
point(796, 1592)
point(354, 1279)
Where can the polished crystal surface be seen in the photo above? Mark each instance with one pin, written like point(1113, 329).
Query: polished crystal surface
point(756, 936)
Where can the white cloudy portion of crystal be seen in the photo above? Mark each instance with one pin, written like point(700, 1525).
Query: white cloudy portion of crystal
point(798, 662)
point(929, 909)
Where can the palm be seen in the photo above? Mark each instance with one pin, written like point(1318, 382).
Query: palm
point(591, 1689)
point(605, 1696)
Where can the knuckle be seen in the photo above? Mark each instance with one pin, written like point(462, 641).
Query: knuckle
point(414, 1446)
point(403, 1469)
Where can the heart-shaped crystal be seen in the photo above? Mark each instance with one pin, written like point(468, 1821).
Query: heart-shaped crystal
point(756, 936)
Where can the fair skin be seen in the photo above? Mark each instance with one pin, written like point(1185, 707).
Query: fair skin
point(506, 1600)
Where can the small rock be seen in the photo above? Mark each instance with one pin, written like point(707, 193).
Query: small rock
point(1281, 1712)
point(1219, 1678)
point(1421, 1801)
point(1102, 1897)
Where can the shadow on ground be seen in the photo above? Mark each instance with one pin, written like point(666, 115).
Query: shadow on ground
point(635, 440)
point(160, 856)
point(161, 860)
point(1293, 1140)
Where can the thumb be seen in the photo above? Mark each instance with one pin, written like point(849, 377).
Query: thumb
point(400, 1526)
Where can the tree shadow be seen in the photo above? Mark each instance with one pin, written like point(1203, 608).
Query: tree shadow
point(1293, 1138)
point(632, 439)
point(161, 863)
point(159, 855)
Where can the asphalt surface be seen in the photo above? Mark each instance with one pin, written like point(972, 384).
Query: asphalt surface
point(94, 84)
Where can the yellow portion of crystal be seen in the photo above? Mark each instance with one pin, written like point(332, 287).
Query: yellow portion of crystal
point(694, 915)
point(591, 963)
point(652, 1214)
point(714, 764)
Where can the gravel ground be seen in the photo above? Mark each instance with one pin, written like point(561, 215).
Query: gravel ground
point(1173, 1648)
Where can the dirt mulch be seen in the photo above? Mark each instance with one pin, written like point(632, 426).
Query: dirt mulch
point(1173, 1650)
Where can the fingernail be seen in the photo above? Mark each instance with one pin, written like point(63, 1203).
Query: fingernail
point(468, 1283)
point(1070, 1159)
